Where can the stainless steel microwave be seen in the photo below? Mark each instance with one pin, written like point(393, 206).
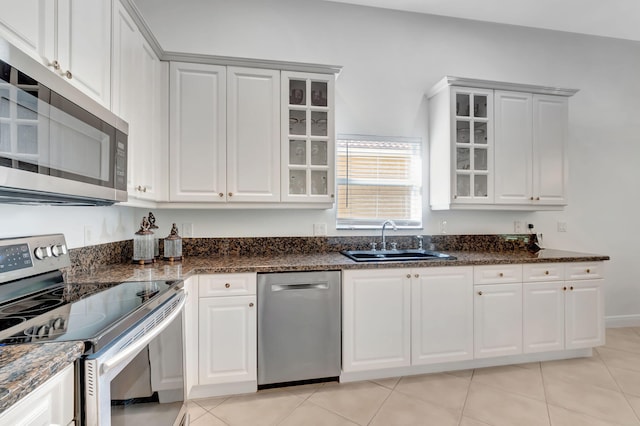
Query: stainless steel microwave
point(57, 145)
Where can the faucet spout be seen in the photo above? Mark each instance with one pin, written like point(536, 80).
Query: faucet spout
point(384, 225)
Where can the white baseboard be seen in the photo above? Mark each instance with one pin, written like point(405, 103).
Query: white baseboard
point(622, 321)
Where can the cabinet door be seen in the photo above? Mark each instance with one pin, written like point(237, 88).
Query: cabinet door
point(83, 47)
point(308, 137)
point(584, 314)
point(442, 314)
point(513, 147)
point(253, 135)
point(550, 123)
point(543, 316)
point(376, 319)
point(227, 339)
point(472, 145)
point(497, 320)
point(29, 25)
point(49, 404)
point(197, 141)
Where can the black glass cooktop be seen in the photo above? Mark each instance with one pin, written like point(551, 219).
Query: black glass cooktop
point(80, 312)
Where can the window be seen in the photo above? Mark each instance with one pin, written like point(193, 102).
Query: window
point(378, 178)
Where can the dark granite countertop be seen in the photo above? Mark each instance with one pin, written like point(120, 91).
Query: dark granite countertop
point(309, 262)
point(24, 367)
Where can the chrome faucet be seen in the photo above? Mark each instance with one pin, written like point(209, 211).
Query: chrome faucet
point(384, 225)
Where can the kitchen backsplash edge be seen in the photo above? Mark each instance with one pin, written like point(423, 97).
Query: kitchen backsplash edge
point(87, 259)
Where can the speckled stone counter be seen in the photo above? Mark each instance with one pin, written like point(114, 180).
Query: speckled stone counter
point(309, 262)
point(25, 367)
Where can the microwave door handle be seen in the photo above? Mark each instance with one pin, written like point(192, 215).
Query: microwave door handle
point(136, 346)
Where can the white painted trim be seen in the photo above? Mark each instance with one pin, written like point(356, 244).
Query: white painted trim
point(463, 365)
point(616, 321)
point(208, 391)
point(499, 85)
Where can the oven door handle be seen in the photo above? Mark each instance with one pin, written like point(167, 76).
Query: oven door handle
point(136, 346)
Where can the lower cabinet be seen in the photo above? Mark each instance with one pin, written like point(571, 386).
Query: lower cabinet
point(376, 319)
point(498, 320)
point(221, 334)
point(401, 317)
point(52, 403)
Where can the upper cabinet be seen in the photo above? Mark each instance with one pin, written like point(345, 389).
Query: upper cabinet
point(307, 137)
point(137, 99)
point(71, 37)
point(493, 148)
point(256, 136)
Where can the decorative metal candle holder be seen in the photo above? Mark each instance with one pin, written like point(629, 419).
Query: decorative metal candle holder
point(143, 242)
point(173, 245)
point(156, 240)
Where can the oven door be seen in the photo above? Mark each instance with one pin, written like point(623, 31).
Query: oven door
point(139, 378)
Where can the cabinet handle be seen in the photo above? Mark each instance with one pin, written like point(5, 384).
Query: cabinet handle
point(332, 196)
point(230, 194)
point(531, 198)
point(251, 305)
point(479, 293)
point(564, 288)
point(68, 75)
point(220, 194)
point(55, 65)
point(546, 272)
point(417, 275)
point(408, 275)
point(571, 288)
point(501, 275)
point(588, 271)
point(455, 196)
point(227, 285)
point(537, 198)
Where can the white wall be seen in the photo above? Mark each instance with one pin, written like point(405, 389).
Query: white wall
point(390, 60)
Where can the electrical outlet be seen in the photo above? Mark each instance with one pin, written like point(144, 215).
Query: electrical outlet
point(443, 226)
point(187, 230)
point(517, 226)
point(319, 229)
point(562, 226)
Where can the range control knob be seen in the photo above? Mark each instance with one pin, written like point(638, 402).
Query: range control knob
point(58, 324)
point(43, 332)
point(42, 252)
point(59, 250)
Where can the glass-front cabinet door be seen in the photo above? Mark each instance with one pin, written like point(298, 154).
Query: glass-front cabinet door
point(307, 137)
point(472, 112)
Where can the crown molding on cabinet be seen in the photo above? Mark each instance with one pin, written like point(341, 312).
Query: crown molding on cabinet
point(163, 55)
point(448, 81)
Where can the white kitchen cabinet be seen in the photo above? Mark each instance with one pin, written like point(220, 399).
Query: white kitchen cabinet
point(308, 137)
point(497, 320)
point(496, 145)
point(530, 148)
point(441, 314)
point(376, 319)
point(71, 37)
point(461, 143)
point(136, 99)
point(559, 314)
point(51, 403)
point(584, 306)
point(227, 327)
point(225, 134)
point(197, 140)
point(253, 135)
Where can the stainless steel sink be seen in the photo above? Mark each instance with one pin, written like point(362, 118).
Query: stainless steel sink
point(395, 255)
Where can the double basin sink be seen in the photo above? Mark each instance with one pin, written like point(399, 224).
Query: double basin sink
point(395, 255)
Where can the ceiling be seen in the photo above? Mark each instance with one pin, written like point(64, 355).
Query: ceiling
point(607, 18)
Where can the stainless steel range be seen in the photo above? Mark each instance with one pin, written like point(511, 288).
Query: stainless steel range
point(132, 370)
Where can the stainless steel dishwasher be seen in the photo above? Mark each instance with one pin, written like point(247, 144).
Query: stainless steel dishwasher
point(299, 326)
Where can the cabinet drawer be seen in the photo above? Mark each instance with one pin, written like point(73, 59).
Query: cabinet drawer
point(227, 285)
point(497, 274)
point(584, 271)
point(543, 272)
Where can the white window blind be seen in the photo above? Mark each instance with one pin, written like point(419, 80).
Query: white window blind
point(378, 179)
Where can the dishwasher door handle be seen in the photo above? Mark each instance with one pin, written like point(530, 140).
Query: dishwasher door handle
point(285, 287)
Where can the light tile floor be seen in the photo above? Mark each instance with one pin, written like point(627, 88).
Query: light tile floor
point(603, 390)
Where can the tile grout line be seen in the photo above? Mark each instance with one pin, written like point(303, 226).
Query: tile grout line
point(385, 400)
point(618, 384)
point(466, 397)
point(544, 390)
